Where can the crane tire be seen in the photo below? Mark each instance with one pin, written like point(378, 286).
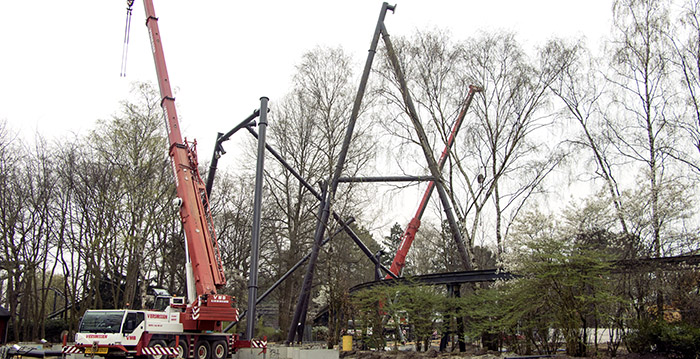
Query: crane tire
point(182, 349)
point(219, 350)
point(202, 350)
point(157, 344)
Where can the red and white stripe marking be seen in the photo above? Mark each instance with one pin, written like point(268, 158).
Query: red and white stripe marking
point(231, 342)
point(71, 349)
point(159, 351)
point(258, 343)
point(191, 345)
point(195, 312)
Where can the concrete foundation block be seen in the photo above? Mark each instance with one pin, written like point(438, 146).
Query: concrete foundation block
point(319, 354)
point(279, 352)
point(250, 353)
point(284, 352)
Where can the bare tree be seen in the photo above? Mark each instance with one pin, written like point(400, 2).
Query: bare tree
point(67, 232)
point(132, 144)
point(509, 139)
point(12, 204)
point(294, 134)
point(307, 129)
point(232, 208)
point(686, 43)
point(40, 185)
point(581, 89)
point(641, 119)
point(500, 159)
point(640, 123)
point(94, 226)
point(27, 219)
point(343, 265)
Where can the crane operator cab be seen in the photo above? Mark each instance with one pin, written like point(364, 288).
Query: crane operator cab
point(119, 332)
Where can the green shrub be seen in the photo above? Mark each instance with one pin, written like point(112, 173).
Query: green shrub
point(674, 339)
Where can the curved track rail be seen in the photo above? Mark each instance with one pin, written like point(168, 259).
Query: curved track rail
point(492, 275)
point(474, 276)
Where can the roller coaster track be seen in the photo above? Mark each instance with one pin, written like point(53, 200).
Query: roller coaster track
point(491, 275)
point(474, 276)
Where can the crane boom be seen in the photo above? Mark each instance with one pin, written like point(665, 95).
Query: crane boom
point(196, 219)
point(410, 234)
point(206, 308)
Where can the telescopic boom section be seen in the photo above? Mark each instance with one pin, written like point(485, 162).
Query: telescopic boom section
point(196, 219)
point(410, 234)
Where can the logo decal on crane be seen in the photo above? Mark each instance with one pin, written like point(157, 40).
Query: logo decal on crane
point(218, 298)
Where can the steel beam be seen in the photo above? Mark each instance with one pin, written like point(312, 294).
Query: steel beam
point(257, 214)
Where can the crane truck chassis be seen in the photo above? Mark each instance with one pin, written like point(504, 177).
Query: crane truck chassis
point(156, 334)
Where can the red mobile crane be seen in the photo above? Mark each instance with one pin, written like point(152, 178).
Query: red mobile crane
point(410, 234)
point(188, 328)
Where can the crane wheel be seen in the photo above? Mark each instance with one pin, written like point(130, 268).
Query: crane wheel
point(219, 350)
point(202, 350)
point(182, 349)
point(157, 344)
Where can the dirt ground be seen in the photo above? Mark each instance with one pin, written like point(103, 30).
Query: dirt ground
point(478, 354)
point(397, 354)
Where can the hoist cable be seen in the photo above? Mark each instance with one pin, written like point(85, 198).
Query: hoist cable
point(127, 31)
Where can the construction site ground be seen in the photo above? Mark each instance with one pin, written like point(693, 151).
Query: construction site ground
point(318, 351)
point(408, 352)
point(435, 354)
point(477, 354)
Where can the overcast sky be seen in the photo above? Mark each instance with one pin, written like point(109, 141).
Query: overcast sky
point(60, 60)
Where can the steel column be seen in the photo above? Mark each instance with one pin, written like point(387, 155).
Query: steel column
point(323, 221)
point(257, 214)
